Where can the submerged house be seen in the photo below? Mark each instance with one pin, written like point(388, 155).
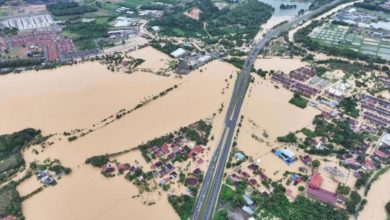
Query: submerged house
point(48, 180)
point(306, 160)
point(239, 156)
point(108, 168)
point(235, 178)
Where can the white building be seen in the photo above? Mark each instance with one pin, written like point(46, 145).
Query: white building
point(381, 25)
point(29, 22)
point(248, 199)
point(156, 28)
point(339, 89)
point(204, 58)
point(248, 210)
point(385, 139)
point(125, 22)
point(178, 53)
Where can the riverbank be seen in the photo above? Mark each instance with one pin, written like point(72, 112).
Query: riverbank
point(377, 198)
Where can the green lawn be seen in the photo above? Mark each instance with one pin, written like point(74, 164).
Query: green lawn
point(297, 100)
point(109, 6)
point(102, 20)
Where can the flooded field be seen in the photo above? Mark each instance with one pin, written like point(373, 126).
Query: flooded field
point(81, 95)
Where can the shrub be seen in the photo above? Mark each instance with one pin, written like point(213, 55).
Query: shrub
point(343, 189)
point(315, 163)
point(73, 138)
point(183, 205)
point(387, 207)
point(97, 161)
point(289, 138)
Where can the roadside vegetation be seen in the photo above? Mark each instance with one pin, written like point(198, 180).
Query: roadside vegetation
point(183, 205)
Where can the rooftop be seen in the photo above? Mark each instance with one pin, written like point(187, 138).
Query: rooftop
point(315, 181)
point(385, 139)
point(178, 52)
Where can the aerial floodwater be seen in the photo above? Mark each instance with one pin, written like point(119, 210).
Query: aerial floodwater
point(195, 109)
point(287, 12)
point(280, 15)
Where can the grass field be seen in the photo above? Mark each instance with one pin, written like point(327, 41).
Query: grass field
point(342, 37)
point(102, 20)
point(298, 101)
point(109, 6)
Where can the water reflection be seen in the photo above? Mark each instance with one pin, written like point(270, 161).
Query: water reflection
point(288, 12)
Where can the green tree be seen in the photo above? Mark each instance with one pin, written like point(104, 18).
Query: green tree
point(289, 138)
point(343, 189)
point(315, 163)
point(387, 207)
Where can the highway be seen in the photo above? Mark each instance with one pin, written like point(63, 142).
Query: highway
point(208, 195)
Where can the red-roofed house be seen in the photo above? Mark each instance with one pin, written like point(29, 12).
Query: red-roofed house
point(314, 190)
point(368, 164)
point(245, 175)
point(381, 154)
point(152, 149)
point(253, 167)
point(252, 182)
point(262, 176)
point(315, 181)
point(199, 162)
point(306, 159)
point(234, 178)
point(322, 195)
point(198, 149)
point(122, 167)
point(165, 149)
point(9, 217)
point(125, 63)
point(108, 168)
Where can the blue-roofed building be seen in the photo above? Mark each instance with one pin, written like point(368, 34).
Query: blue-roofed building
point(286, 155)
point(239, 156)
